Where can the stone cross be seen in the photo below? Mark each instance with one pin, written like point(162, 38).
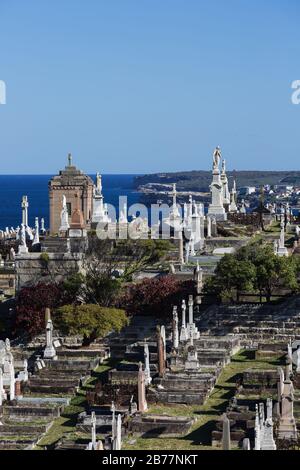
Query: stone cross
point(142, 403)
point(226, 443)
point(175, 329)
point(147, 364)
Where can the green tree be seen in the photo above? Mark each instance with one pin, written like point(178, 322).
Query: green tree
point(231, 277)
point(89, 320)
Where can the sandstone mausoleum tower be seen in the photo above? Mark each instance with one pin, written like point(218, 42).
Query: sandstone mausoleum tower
point(72, 184)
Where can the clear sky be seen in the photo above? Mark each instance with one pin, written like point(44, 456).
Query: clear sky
point(140, 86)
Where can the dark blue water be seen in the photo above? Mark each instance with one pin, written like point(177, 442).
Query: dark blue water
point(13, 187)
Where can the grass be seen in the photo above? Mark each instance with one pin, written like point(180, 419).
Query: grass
point(65, 425)
point(205, 415)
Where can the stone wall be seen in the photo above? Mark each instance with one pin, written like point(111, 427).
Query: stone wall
point(31, 268)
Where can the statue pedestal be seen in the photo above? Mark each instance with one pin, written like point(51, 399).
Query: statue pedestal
point(282, 251)
point(50, 353)
point(22, 250)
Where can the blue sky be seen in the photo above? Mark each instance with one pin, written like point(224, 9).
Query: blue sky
point(140, 86)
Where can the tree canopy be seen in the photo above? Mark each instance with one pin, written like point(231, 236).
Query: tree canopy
point(89, 320)
point(253, 268)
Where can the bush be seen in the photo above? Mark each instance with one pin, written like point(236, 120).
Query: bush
point(89, 320)
point(155, 297)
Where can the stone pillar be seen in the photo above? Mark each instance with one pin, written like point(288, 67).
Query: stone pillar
point(147, 364)
point(180, 243)
point(113, 424)
point(191, 310)
point(298, 360)
point(257, 429)
point(93, 430)
point(290, 357)
point(2, 392)
point(142, 403)
point(47, 315)
point(160, 353)
point(175, 329)
point(119, 433)
point(183, 331)
point(12, 381)
point(25, 210)
point(163, 336)
point(208, 219)
point(226, 443)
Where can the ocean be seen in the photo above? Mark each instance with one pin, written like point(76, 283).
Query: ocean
point(13, 187)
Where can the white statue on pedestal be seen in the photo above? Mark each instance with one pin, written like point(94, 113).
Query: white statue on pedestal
point(22, 237)
point(282, 250)
point(36, 238)
point(64, 216)
point(216, 207)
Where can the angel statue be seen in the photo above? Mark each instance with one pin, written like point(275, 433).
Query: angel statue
point(216, 158)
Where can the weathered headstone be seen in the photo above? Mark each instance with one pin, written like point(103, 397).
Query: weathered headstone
point(226, 442)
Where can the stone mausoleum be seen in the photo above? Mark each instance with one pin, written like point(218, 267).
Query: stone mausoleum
point(73, 184)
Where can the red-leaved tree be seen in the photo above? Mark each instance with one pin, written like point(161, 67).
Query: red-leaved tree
point(31, 303)
point(156, 297)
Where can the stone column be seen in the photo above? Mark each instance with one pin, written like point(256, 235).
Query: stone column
point(93, 430)
point(113, 424)
point(160, 353)
point(226, 443)
point(183, 331)
point(163, 336)
point(119, 433)
point(175, 329)
point(298, 360)
point(12, 381)
point(191, 310)
point(25, 210)
point(257, 429)
point(142, 403)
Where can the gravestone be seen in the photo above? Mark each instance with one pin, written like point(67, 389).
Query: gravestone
point(226, 443)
